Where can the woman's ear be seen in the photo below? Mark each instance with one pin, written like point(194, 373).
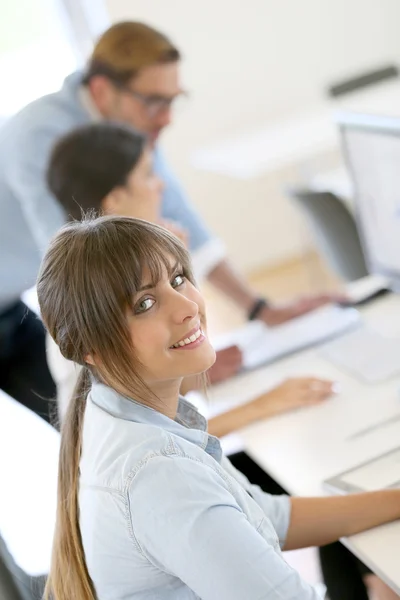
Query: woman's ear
point(109, 203)
point(114, 202)
point(89, 360)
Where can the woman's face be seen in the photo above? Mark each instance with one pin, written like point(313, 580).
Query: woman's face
point(141, 196)
point(168, 329)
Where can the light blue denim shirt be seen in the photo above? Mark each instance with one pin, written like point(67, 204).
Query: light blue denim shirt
point(165, 516)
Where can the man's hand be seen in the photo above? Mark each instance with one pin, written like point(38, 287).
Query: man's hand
point(228, 362)
point(280, 314)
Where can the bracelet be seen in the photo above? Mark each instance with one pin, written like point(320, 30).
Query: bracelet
point(257, 308)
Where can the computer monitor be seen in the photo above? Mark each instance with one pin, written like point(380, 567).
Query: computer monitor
point(372, 151)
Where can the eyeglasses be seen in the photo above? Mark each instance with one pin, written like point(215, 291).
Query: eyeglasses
point(154, 104)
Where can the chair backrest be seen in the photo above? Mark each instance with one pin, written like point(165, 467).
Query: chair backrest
point(335, 232)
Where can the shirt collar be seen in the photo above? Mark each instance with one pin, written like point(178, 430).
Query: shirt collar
point(88, 104)
point(189, 424)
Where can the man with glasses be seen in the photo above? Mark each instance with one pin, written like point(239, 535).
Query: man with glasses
point(132, 77)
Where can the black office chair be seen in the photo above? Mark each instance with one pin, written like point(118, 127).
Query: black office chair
point(335, 232)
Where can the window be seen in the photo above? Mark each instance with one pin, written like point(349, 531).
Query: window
point(41, 41)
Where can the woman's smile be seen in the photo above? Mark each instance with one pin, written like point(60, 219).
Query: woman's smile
point(191, 340)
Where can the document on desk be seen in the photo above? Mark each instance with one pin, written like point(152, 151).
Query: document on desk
point(379, 473)
point(261, 344)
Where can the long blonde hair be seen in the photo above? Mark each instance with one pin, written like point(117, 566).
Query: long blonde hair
point(86, 284)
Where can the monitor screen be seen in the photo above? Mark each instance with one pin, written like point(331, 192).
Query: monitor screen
point(372, 151)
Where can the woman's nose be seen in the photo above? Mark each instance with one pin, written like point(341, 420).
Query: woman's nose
point(184, 309)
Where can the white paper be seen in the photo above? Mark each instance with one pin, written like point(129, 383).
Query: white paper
point(379, 474)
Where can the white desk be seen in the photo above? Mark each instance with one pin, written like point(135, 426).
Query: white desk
point(301, 449)
point(28, 475)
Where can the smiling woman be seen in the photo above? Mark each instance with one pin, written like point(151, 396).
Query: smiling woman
point(148, 506)
point(168, 319)
point(150, 304)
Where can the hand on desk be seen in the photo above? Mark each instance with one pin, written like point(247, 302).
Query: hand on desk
point(294, 393)
point(280, 314)
point(228, 362)
point(290, 395)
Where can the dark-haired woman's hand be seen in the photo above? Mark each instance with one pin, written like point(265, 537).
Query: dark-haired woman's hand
point(295, 393)
point(227, 364)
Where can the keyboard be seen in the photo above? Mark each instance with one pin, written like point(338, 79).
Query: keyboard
point(365, 353)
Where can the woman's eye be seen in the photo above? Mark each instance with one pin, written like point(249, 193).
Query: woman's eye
point(177, 280)
point(144, 305)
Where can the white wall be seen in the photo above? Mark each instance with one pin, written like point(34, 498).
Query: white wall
point(250, 63)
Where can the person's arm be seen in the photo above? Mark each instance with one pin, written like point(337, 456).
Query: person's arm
point(187, 523)
point(319, 521)
point(228, 281)
point(27, 180)
point(290, 395)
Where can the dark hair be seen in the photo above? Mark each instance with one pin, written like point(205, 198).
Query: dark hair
point(86, 286)
point(127, 47)
point(88, 163)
